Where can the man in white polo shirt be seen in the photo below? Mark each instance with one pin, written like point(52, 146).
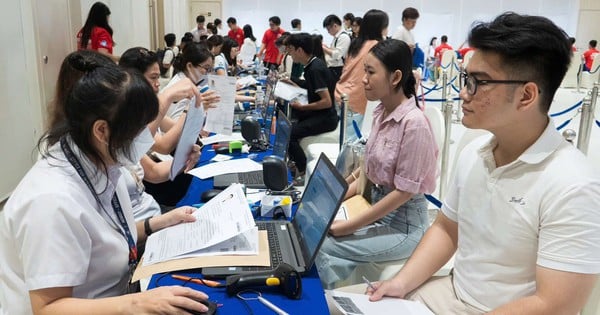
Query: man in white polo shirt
point(522, 213)
point(336, 53)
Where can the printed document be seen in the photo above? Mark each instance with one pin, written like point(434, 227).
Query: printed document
point(359, 304)
point(225, 167)
point(222, 138)
point(220, 119)
point(290, 92)
point(223, 217)
point(243, 244)
point(191, 129)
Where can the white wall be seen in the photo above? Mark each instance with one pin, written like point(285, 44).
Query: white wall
point(438, 17)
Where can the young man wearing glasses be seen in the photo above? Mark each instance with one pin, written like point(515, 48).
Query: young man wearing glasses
point(522, 214)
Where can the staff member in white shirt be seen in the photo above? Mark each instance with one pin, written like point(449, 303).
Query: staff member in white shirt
point(67, 235)
point(336, 53)
point(404, 31)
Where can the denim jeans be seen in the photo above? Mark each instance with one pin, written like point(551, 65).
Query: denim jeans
point(393, 237)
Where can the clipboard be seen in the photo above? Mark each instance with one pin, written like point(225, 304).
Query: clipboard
point(352, 207)
point(262, 259)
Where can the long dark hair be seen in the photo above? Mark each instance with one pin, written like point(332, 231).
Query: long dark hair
point(228, 45)
point(248, 32)
point(395, 55)
point(138, 58)
point(98, 16)
point(124, 99)
point(372, 26)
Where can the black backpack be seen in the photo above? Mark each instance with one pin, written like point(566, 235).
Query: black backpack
point(160, 54)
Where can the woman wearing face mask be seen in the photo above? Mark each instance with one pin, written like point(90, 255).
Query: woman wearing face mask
point(400, 159)
point(67, 234)
point(193, 63)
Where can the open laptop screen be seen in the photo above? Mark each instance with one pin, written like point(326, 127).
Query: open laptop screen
point(282, 136)
point(321, 199)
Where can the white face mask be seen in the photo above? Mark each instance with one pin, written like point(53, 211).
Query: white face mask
point(140, 145)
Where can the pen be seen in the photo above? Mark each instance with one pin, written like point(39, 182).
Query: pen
point(369, 284)
point(208, 283)
point(272, 306)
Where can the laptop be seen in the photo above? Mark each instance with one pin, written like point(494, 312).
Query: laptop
point(254, 179)
point(298, 242)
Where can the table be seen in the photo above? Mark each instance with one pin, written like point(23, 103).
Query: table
point(313, 297)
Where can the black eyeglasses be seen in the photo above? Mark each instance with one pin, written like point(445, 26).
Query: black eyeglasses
point(471, 82)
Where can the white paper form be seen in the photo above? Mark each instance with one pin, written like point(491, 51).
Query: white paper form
point(289, 92)
point(220, 119)
point(191, 129)
point(223, 217)
point(222, 138)
point(242, 244)
point(359, 304)
point(225, 167)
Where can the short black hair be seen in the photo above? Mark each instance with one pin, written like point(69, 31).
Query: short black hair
point(296, 23)
point(200, 19)
point(349, 17)
point(444, 38)
point(593, 43)
point(218, 22)
point(530, 48)
point(231, 20)
point(410, 13)
point(331, 20)
point(275, 20)
point(301, 40)
point(170, 39)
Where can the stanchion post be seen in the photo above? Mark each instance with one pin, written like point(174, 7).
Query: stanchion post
point(588, 108)
point(444, 92)
point(343, 119)
point(447, 107)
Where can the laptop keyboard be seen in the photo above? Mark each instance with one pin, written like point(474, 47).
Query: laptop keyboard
point(251, 178)
point(274, 247)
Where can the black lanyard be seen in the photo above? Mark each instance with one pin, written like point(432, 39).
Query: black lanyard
point(114, 201)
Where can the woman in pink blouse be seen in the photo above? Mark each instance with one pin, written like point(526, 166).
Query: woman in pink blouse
point(400, 160)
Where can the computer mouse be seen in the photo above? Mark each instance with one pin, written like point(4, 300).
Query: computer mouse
point(212, 309)
point(209, 194)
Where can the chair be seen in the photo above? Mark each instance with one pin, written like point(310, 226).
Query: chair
point(467, 58)
point(448, 63)
point(588, 78)
point(571, 77)
point(592, 307)
point(436, 121)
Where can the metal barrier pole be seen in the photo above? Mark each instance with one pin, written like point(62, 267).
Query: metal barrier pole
point(587, 116)
point(444, 92)
point(343, 119)
point(447, 110)
point(579, 75)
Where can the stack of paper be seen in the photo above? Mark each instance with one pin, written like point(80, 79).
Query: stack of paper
point(289, 92)
point(223, 226)
point(355, 304)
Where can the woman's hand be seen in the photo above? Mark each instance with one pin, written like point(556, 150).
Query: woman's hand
point(183, 89)
point(210, 99)
point(176, 216)
point(342, 228)
point(193, 158)
point(391, 287)
point(168, 300)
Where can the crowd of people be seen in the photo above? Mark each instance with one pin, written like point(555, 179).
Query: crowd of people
point(521, 214)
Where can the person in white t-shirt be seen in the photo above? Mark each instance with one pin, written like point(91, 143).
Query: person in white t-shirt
point(68, 240)
point(249, 48)
point(522, 212)
point(404, 31)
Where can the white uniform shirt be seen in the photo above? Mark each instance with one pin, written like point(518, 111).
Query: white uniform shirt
point(405, 35)
point(54, 234)
point(170, 54)
point(542, 209)
point(143, 204)
point(221, 63)
point(247, 51)
point(339, 45)
point(176, 109)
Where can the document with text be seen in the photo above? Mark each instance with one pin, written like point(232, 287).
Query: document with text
point(359, 304)
point(189, 135)
point(220, 119)
point(222, 218)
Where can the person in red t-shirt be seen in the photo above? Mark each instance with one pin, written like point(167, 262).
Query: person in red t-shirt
point(96, 34)
point(439, 50)
point(268, 47)
point(235, 32)
point(589, 55)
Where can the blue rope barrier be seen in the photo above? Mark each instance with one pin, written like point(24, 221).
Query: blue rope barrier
point(440, 99)
point(597, 123)
point(564, 124)
point(567, 110)
point(433, 200)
